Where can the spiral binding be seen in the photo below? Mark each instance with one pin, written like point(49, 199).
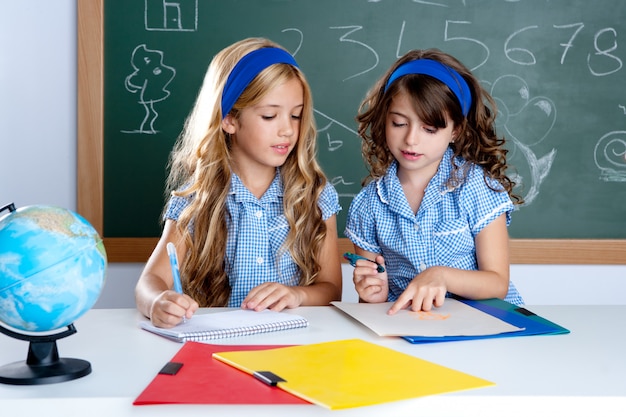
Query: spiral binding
point(243, 331)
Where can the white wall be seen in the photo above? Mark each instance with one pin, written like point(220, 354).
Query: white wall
point(38, 152)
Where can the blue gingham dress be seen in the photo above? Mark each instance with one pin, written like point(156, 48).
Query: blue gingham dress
point(257, 228)
point(380, 220)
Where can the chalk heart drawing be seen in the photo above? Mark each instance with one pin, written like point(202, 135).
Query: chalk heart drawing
point(527, 122)
point(149, 81)
point(610, 156)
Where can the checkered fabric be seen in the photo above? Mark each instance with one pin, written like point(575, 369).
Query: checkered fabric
point(443, 231)
point(257, 228)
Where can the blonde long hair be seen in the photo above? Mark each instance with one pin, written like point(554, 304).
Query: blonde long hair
point(476, 140)
point(200, 168)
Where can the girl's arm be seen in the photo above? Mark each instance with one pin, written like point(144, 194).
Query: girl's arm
point(328, 284)
point(491, 280)
point(154, 295)
point(326, 288)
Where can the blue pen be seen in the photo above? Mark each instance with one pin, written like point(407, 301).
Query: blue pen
point(178, 286)
point(352, 258)
point(171, 251)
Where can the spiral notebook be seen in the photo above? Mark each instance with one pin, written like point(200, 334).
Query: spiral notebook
point(231, 323)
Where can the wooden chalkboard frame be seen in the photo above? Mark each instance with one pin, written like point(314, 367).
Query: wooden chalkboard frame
point(90, 172)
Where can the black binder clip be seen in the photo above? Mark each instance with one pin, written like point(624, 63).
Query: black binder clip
point(171, 368)
point(268, 378)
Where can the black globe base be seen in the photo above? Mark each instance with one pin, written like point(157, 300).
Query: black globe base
point(65, 369)
point(43, 365)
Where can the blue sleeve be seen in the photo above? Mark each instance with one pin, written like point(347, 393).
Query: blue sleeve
point(175, 207)
point(361, 221)
point(481, 203)
point(329, 201)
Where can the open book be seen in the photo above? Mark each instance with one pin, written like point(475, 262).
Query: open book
point(229, 323)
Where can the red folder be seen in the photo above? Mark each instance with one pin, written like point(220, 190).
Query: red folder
point(204, 380)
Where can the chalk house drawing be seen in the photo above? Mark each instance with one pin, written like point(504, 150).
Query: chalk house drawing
point(610, 156)
point(527, 122)
point(149, 81)
point(171, 16)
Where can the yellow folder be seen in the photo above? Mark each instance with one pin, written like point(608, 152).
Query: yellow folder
point(350, 373)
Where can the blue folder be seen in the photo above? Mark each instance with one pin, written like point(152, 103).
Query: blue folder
point(531, 323)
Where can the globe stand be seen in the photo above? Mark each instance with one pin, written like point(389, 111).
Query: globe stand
point(43, 365)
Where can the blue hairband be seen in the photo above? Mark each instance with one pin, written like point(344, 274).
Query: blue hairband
point(249, 67)
point(437, 70)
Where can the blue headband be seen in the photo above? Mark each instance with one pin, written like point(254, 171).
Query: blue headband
point(246, 69)
point(437, 70)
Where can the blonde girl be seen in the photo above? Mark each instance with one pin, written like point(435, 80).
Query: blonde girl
point(251, 214)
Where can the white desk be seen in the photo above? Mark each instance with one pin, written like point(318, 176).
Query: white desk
point(576, 374)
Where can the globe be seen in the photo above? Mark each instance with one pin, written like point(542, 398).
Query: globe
point(52, 267)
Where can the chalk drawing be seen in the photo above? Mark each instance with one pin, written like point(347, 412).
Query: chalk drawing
point(610, 156)
point(149, 80)
point(527, 122)
point(171, 16)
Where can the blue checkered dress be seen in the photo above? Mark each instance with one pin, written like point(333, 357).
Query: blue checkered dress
point(442, 233)
point(257, 228)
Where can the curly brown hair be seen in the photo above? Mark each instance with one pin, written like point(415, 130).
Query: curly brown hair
point(476, 140)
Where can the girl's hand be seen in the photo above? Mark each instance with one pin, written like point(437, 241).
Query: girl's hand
point(170, 307)
point(426, 290)
point(371, 285)
point(274, 296)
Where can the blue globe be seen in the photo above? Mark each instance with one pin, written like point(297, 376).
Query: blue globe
point(52, 268)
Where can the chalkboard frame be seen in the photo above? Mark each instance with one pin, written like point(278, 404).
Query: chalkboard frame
point(90, 172)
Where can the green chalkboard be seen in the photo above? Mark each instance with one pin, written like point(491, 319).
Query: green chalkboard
point(556, 69)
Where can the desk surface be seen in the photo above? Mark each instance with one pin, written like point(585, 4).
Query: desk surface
point(584, 371)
